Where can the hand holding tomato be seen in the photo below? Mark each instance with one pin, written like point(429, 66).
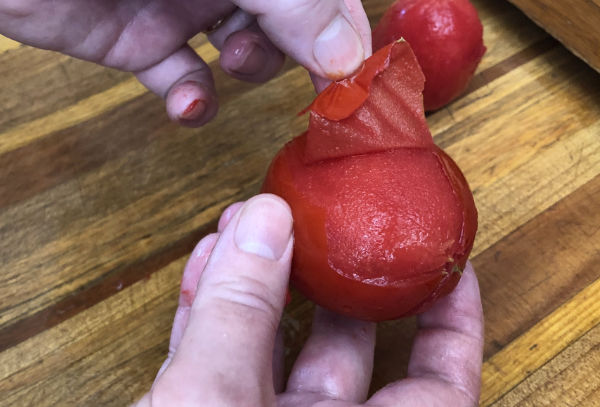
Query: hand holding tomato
point(225, 350)
point(149, 38)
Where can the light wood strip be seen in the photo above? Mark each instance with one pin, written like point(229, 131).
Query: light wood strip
point(571, 378)
point(83, 110)
point(544, 341)
point(552, 174)
point(88, 352)
point(7, 44)
point(513, 88)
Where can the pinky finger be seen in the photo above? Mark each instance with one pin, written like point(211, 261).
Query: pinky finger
point(185, 81)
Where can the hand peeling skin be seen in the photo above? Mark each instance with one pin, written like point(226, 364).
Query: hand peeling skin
point(383, 217)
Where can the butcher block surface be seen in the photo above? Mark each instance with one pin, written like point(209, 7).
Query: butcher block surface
point(102, 199)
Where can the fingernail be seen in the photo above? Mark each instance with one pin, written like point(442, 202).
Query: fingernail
point(338, 49)
point(194, 110)
point(264, 228)
point(248, 59)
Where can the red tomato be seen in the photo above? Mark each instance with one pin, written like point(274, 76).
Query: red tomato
point(447, 38)
point(383, 219)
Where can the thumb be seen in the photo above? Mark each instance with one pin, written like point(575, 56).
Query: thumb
point(225, 355)
point(330, 38)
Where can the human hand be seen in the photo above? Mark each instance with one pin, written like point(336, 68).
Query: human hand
point(225, 349)
point(149, 38)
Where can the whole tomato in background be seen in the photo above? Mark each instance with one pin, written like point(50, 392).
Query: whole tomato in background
point(383, 219)
point(445, 35)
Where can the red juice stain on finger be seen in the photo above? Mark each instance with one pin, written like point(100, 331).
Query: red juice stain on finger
point(193, 110)
point(187, 297)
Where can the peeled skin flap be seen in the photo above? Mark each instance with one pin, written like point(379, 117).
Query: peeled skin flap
point(344, 121)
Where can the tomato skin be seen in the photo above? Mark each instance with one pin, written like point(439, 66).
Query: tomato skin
point(383, 219)
point(447, 38)
point(344, 259)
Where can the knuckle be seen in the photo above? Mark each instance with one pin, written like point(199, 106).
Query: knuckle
point(293, 7)
point(248, 295)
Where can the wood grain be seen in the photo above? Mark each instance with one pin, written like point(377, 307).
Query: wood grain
point(572, 375)
point(7, 43)
point(101, 199)
point(574, 23)
point(540, 344)
point(565, 238)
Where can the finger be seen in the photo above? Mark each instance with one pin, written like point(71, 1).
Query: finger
point(237, 21)
point(234, 318)
point(227, 214)
point(189, 283)
point(185, 81)
point(364, 30)
point(446, 358)
point(250, 56)
point(322, 35)
point(337, 360)
point(279, 362)
point(246, 52)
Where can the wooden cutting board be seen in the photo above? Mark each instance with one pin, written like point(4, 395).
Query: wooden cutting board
point(102, 199)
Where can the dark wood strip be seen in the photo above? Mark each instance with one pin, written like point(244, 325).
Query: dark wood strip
point(505, 66)
point(99, 290)
point(57, 158)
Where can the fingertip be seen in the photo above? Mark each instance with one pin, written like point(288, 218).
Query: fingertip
point(467, 290)
point(338, 49)
point(337, 359)
point(191, 104)
point(319, 83)
point(264, 228)
point(460, 311)
point(250, 56)
point(228, 214)
point(194, 267)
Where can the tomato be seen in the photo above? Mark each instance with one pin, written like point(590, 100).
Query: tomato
point(383, 219)
point(447, 38)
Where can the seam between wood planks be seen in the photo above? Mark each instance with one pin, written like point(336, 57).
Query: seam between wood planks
point(541, 343)
point(84, 109)
point(95, 293)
